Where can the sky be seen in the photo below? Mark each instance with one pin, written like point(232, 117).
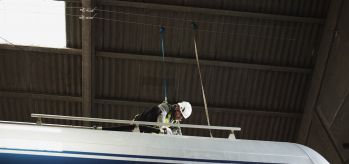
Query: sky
point(33, 22)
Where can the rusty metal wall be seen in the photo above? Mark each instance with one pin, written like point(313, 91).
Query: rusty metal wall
point(14, 71)
point(30, 82)
point(50, 73)
point(309, 8)
point(57, 107)
point(15, 108)
point(73, 24)
point(225, 87)
point(19, 108)
point(226, 38)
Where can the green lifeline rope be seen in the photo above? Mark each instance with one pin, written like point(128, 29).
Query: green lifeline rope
point(162, 48)
point(195, 27)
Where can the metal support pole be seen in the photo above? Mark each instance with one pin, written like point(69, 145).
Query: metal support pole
point(87, 61)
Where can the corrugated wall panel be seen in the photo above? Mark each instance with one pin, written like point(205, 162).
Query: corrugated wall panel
point(39, 72)
point(73, 24)
point(225, 87)
point(112, 80)
point(14, 71)
point(56, 74)
point(55, 107)
point(15, 109)
point(20, 108)
point(309, 8)
point(220, 37)
point(23, 73)
point(111, 111)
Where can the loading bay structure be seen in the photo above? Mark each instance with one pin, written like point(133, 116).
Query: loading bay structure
point(277, 69)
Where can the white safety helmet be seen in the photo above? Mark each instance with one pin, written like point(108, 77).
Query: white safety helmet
point(185, 109)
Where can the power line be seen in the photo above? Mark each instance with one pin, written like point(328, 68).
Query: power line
point(14, 45)
point(179, 19)
point(7, 41)
point(209, 31)
point(41, 13)
point(116, 20)
point(189, 20)
point(170, 27)
point(73, 7)
point(40, 6)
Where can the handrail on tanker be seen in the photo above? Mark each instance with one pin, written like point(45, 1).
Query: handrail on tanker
point(88, 119)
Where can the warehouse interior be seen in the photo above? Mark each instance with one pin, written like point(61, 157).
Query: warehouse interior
point(277, 69)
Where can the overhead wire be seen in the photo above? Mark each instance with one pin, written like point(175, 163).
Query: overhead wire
point(98, 17)
point(40, 6)
point(173, 27)
point(7, 41)
point(131, 22)
point(40, 13)
point(181, 28)
point(12, 44)
point(28, 12)
point(31, 7)
point(187, 20)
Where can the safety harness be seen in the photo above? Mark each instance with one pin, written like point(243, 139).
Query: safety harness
point(162, 48)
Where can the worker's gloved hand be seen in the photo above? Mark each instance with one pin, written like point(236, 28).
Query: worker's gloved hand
point(165, 130)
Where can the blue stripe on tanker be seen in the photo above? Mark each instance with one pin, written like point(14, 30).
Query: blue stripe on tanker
point(30, 158)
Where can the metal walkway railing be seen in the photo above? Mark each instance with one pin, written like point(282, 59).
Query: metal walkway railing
point(130, 122)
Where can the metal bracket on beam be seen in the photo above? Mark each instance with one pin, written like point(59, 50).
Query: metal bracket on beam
point(232, 135)
point(88, 10)
point(83, 17)
point(39, 121)
point(86, 13)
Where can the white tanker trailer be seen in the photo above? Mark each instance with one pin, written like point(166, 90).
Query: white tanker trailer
point(43, 143)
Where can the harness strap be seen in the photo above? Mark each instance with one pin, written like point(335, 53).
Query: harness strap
point(162, 47)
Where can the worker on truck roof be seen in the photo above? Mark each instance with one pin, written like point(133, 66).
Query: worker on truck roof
point(162, 113)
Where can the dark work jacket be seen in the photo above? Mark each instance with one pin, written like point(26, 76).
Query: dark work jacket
point(150, 115)
point(154, 114)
